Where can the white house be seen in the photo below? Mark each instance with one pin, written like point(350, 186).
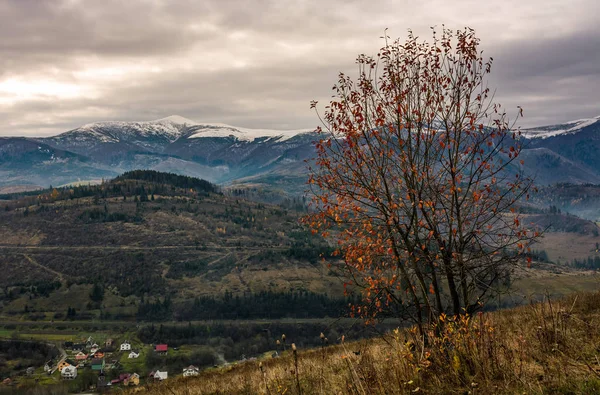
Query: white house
point(190, 371)
point(158, 375)
point(68, 372)
point(133, 355)
point(125, 346)
point(94, 348)
point(48, 367)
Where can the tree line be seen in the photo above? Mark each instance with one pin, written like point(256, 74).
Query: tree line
point(265, 304)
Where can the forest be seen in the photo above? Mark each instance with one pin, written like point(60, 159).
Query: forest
point(266, 304)
point(25, 353)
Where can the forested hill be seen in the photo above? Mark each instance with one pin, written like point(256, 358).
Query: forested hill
point(141, 183)
point(172, 179)
point(146, 243)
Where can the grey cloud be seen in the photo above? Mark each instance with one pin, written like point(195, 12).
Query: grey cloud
point(49, 33)
point(259, 63)
point(554, 80)
point(227, 96)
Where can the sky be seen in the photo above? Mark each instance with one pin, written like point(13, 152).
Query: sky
point(259, 63)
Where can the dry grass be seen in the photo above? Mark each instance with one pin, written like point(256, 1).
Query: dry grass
point(565, 246)
point(551, 347)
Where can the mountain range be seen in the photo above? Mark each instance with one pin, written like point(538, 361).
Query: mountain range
point(564, 153)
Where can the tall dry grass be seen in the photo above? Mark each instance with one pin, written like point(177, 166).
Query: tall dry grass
point(550, 347)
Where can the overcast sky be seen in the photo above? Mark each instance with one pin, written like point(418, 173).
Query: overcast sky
point(258, 63)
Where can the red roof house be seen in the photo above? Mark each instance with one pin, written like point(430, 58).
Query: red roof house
point(161, 348)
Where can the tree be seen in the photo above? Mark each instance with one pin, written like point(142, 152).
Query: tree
point(97, 293)
point(418, 174)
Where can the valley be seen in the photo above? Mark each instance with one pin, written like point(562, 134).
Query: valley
point(148, 257)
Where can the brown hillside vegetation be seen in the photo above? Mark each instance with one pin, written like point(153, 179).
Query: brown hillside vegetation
point(550, 347)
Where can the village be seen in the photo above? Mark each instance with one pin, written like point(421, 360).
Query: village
point(105, 365)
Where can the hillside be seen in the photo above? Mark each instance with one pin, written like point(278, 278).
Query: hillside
point(582, 200)
point(157, 246)
point(148, 244)
point(544, 348)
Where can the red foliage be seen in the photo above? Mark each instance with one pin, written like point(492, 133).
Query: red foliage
point(416, 175)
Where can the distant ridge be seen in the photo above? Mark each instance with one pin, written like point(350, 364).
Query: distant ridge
point(556, 130)
point(226, 154)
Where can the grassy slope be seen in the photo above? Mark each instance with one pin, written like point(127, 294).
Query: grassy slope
point(563, 247)
point(542, 348)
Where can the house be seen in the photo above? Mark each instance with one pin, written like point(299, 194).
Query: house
point(30, 371)
point(158, 375)
point(133, 355)
point(133, 379)
point(99, 354)
point(48, 366)
point(190, 371)
point(68, 372)
point(78, 347)
point(97, 364)
point(62, 365)
point(7, 381)
point(68, 344)
point(80, 356)
point(161, 348)
point(125, 346)
point(93, 348)
point(109, 342)
point(123, 377)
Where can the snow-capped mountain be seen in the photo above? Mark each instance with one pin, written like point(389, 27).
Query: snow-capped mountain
point(576, 143)
point(244, 134)
point(152, 135)
point(222, 153)
point(571, 127)
point(156, 136)
point(214, 151)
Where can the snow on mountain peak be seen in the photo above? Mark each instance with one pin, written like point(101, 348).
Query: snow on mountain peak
point(171, 128)
point(176, 119)
point(203, 129)
point(245, 134)
point(174, 127)
point(555, 130)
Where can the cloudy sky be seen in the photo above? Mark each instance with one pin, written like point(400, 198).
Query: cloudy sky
point(258, 63)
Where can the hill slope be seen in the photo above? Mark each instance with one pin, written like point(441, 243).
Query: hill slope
point(150, 235)
point(544, 348)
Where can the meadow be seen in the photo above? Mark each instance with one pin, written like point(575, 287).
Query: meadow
point(549, 347)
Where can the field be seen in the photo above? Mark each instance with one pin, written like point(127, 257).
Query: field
point(550, 347)
point(563, 247)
